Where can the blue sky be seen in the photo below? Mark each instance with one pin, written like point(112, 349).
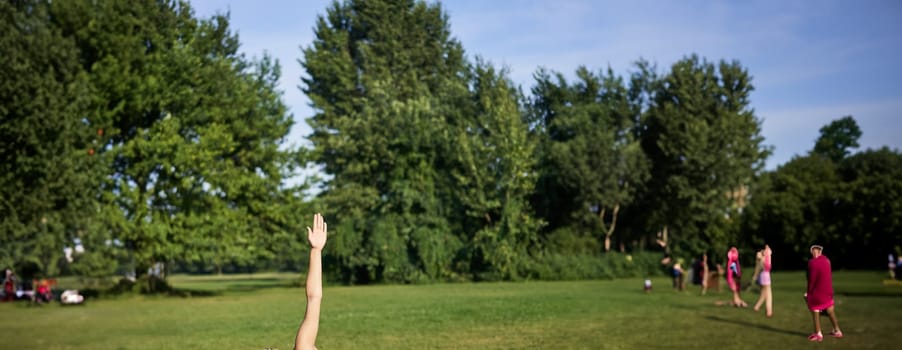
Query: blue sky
point(811, 61)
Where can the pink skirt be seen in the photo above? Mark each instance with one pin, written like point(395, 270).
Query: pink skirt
point(820, 307)
point(764, 278)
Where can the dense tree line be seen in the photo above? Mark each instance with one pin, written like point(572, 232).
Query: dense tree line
point(136, 134)
point(139, 134)
point(442, 169)
point(847, 201)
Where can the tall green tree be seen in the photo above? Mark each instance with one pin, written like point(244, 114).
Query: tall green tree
point(384, 78)
point(837, 138)
point(705, 146)
point(850, 206)
point(192, 132)
point(48, 176)
point(495, 175)
point(869, 215)
point(792, 207)
point(590, 153)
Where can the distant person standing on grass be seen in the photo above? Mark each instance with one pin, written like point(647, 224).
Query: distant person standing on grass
point(700, 273)
point(678, 274)
point(820, 293)
point(306, 337)
point(734, 275)
point(764, 280)
point(899, 268)
point(892, 267)
point(9, 286)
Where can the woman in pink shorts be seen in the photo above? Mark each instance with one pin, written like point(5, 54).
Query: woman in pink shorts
point(766, 297)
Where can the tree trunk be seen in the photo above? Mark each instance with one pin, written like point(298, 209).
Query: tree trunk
point(662, 239)
point(609, 230)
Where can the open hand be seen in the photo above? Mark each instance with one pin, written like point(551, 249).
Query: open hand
point(317, 235)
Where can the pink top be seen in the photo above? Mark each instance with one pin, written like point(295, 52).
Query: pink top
point(820, 284)
point(732, 263)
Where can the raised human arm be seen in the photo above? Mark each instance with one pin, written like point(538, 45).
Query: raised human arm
point(306, 337)
point(759, 259)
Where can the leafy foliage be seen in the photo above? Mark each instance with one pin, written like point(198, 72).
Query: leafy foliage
point(135, 134)
point(849, 205)
point(837, 138)
point(429, 156)
point(383, 77)
point(495, 174)
point(705, 146)
point(185, 162)
point(48, 174)
point(592, 162)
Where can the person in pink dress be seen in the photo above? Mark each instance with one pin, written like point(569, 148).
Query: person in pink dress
point(764, 280)
point(820, 293)
point(733, 276)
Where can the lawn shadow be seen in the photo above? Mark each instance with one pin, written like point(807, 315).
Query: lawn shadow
point(759, 326)
point(255, 287)
point(872, 294)
point(191, 293)
point(93, 293)
point(231, 285)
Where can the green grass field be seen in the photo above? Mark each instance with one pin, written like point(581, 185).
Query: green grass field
point(262, 311)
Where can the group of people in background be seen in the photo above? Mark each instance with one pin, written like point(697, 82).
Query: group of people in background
point(36, 290)
point(818, 296)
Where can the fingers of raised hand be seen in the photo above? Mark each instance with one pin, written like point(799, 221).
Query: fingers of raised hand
point(318, 222)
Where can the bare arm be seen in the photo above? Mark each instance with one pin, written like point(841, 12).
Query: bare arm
point(759, 259)
point(306, 337)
